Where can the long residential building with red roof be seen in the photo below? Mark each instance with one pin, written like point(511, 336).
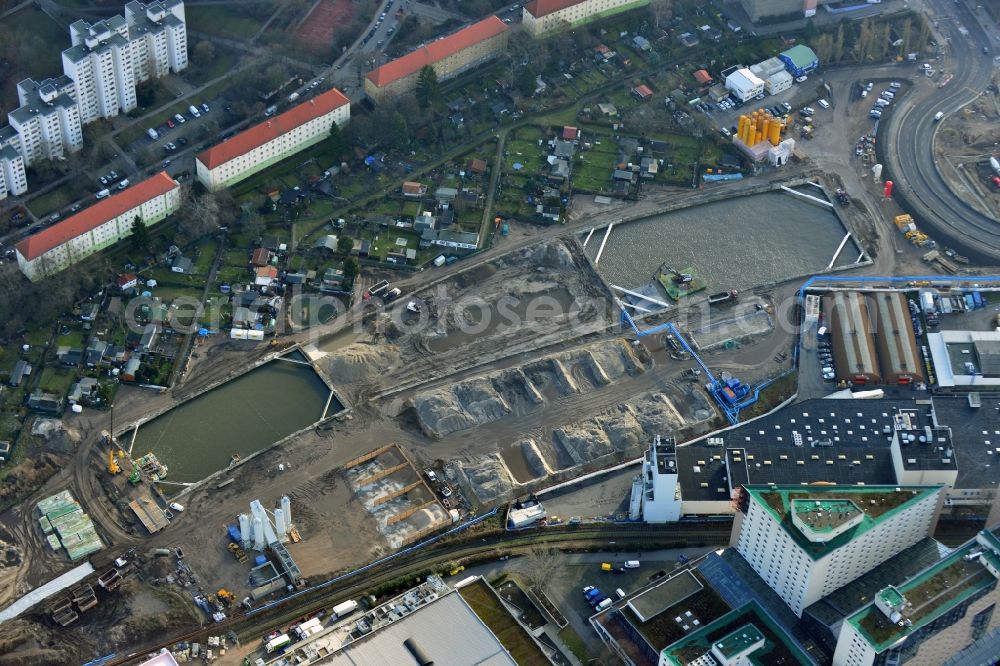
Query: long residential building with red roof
point(545, 17)
point(100, 226)
point(271, 141)
point(449, 56)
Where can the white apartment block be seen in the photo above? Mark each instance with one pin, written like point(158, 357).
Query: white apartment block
point(100, 64)
point(544, 17)
point(109, 57)
point(47, 122)
point(12, 179)
point(158, 34)
point(93, 229)
point(271, 141)
point(807, 541)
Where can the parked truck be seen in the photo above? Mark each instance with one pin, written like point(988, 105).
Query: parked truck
point(308, 628)
point(344, 609)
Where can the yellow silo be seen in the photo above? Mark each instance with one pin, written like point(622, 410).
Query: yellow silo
point(775, 133)
point(751, 131)
point(741, 126)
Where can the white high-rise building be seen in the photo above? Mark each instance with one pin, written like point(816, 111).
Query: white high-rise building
point(661, 496)
point(47, 122)
point(12, 179)
point(100, 64)
point(109, 57)
point(158, 34)
point(807, 541)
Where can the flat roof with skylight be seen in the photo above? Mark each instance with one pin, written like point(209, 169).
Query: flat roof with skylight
point(825, 519)
point(747, 632)
point(923, 598)
point(744, 640)
point(876, 504)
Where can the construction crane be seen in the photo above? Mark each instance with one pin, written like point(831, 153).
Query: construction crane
point(678, 277)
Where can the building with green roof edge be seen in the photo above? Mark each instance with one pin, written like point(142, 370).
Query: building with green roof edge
point(932, 617)
point(805, 541)
point(746, 636)
point(799, 60)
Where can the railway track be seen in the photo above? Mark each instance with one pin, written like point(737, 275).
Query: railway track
point(248, 624)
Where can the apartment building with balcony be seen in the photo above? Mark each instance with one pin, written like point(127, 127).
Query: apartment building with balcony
point(271, 141)
point(109, 57)
point(12, 178)
point(449, 56)
point(47, 123)
point(98, 227)
point(545, 17)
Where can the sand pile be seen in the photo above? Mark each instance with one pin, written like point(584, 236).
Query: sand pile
point(361, 362)
point(467, 404)
point(487, 476)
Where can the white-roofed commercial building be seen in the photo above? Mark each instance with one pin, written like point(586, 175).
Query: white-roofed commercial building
point(744, 84)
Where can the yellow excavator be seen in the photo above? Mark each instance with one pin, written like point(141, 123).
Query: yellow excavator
point(113, 466)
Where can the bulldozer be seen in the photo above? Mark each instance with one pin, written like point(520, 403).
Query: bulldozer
point(225, 596)
point(238, 552)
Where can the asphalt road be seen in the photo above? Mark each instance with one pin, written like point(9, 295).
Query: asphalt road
point(907, 143)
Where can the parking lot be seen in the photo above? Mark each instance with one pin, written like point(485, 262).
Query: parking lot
point(725, 114)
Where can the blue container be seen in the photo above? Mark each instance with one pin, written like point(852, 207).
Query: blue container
point(259, 560)
point(234, 533)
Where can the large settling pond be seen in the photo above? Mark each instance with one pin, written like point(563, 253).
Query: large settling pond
point(242, 416)
point(732, 244)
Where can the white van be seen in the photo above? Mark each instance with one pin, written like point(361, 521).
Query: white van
point(603, 605)
point(620, 593)
point(194, 111)
point(175, 506)
point(823, 103)
point(631, 564)
point(103, 193)
point(938, 116)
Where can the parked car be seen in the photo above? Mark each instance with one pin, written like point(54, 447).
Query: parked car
point(179, 118)
point(170, 123)
point(801, 79)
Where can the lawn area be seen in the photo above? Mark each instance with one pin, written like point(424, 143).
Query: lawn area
point(38, 336)
point(206, 253)
point(573, 641)
point(74, 338)
point(57, 380)
point(52, 201)
point(510, 634)
point(224, 61)
point(223, 21)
